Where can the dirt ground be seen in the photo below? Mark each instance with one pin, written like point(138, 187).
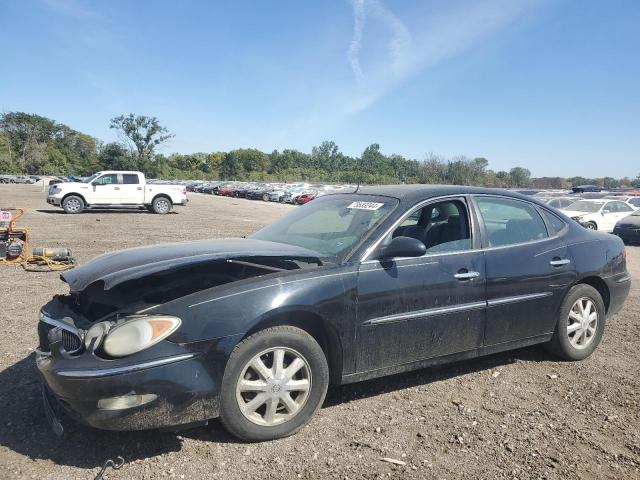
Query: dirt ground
point(520, 414)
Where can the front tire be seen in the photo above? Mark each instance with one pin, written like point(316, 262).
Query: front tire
point(581, 324)
point(591, 226)
point(73, 204)
point(273, 384)
point(161, 205)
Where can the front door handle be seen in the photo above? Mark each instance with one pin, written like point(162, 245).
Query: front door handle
point(465, 274)
point(117, 188)
point(139, 188)
point(558, 262)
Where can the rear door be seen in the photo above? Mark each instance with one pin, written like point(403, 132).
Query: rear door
point(131, 189)
point(412, 309)
point(528, 268)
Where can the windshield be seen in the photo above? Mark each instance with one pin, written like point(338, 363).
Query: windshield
point(331, 225)
point(584, 206)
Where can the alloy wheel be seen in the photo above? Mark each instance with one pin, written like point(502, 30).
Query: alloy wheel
point(273, 386)
point(583, 323)
point(73, 205)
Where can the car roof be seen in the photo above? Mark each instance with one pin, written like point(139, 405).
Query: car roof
point(417, 192)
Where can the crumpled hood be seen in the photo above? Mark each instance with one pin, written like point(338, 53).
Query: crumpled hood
point(118, 267)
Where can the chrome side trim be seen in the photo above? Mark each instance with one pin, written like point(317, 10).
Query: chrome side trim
point(105, 372)
point(626, 278)
point(428, 312)
point(517, 298)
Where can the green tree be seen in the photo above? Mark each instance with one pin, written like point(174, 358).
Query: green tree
point(520, 177)
point(142, 135)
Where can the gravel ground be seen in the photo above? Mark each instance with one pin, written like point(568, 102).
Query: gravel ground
point(520, 414)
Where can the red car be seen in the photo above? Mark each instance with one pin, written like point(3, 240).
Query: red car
point(227, 191)
point(307, 197)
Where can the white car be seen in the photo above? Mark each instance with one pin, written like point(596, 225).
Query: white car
point(118, 189)
point(598, 214)
point(628, 199)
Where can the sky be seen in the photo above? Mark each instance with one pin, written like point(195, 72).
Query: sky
point(550, 85)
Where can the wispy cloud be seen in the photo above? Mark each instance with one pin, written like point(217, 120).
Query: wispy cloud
point(410, 49)
point(353, 54)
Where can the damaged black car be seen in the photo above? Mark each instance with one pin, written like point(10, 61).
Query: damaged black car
point(346, 288)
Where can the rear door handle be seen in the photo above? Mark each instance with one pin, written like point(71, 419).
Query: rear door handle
point(558, 262)
point(464, 274)
point(139, 188)
point(117, 188)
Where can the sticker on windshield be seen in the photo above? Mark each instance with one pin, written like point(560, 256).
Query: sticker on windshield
point(366, 205)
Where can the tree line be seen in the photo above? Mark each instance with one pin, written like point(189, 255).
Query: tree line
point(35, 145)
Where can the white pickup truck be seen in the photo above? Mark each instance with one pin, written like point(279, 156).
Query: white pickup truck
point(116, 189)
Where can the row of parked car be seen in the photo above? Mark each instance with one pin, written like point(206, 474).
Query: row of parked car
point(18, 179)
point(614, 213)
point(296, 193)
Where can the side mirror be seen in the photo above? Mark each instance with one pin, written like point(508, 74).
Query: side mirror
point(606, 211)
point(403, 247)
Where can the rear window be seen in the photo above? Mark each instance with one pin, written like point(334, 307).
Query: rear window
point(508, 222)
point(130, 179)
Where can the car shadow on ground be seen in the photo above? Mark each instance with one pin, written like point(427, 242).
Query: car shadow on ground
point(102, 210)
point(25, 429)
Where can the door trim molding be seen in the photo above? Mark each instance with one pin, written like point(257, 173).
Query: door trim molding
point(517, 298)
point(432, 312)
point(427, 312)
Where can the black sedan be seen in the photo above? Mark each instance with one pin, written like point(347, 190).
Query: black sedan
point(628, 229)
point(346, 288)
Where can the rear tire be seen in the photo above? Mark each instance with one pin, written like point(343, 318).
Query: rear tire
point(73, 204)
point(581, 324)
point(591, 226)
point(266, 402)
point(161, 205)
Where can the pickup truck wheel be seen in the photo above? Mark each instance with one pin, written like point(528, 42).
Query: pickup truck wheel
point(273, 384)
point(581, 324)
point(161, 205)
point(591, 226)
point(73, 204)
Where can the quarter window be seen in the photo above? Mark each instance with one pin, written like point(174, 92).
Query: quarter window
point(554, 223)
point(507, 222)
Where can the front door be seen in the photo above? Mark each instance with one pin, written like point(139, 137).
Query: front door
point(529, 268)
point(412, 309)
point(105, 190)
point(612, 213)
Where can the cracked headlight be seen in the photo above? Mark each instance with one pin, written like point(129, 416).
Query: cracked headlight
point(138, 333)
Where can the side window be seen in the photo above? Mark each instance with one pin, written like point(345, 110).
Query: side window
point(623, 207)
point(635, 202)
point(442, 227)
point(554, 223)
point(508, 222)
point(108, 179)
point(130, 179)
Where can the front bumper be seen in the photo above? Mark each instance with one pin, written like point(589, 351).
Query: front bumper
point(54, 200)
point(184, 380)
point(186, 393)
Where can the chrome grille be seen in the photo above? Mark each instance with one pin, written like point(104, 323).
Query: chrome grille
point(70, 341)
point(51, 330)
